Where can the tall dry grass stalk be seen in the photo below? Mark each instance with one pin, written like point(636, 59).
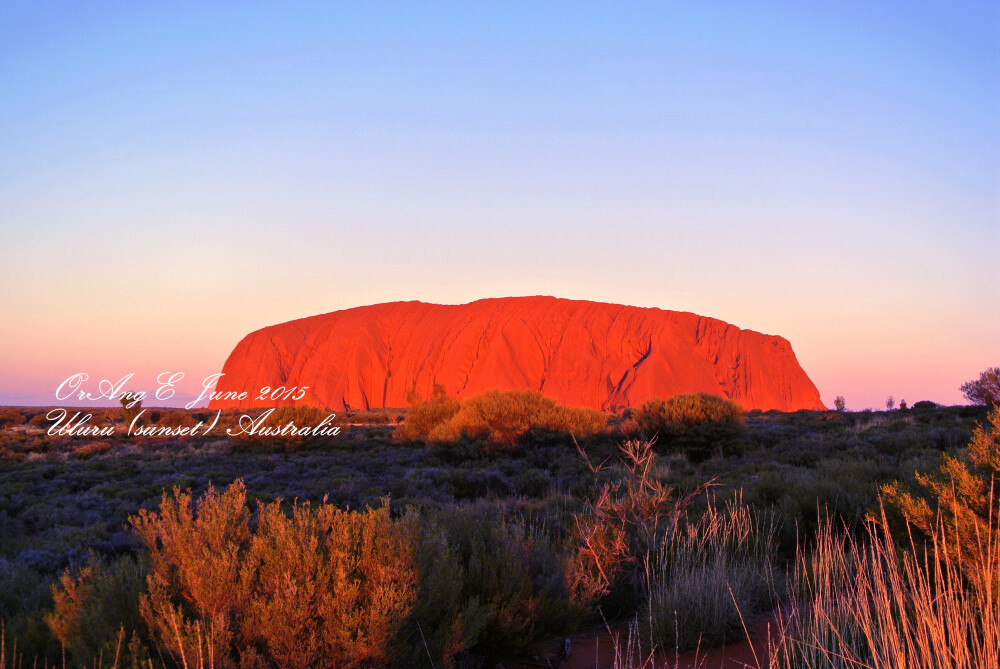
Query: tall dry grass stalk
point(866, 603)
point(699, 581)
point(632, 650)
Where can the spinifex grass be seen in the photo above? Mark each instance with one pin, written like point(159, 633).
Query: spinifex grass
point(867, 603)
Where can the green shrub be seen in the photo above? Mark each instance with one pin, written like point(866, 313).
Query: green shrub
point(514, 570)
point(699, 424)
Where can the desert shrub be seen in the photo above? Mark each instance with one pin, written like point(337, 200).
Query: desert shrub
point(513, 591)
point(91, 449)
point(426, 416)
point(839, 403)
point(445, 623)
point(321, 585)
point(39, 420)
point(24, 598)
point(615, 532)
point(131, 407)
point(698, 424)
point(327, 585)
point(177, 418)
point(491, 584)
point(499, 419)
point(714, 571)
point(984, 390)
point(967, 500)
point(96, 608)
point(372, 417)
point(196, 555)
point(11, 417)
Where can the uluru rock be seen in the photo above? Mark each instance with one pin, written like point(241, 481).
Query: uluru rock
point(590, 354)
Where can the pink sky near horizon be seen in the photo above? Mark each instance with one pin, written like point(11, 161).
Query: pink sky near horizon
point(173, 178)
point(862, 380)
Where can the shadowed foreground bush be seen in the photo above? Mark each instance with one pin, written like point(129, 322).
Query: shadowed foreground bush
point(93, 609)
point(491, 585)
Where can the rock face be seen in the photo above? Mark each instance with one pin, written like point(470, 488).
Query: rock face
point(603, 356)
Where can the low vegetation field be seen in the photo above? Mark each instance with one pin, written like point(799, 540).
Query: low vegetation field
point(458, 534)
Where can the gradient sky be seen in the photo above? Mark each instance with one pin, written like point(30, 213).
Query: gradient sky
point(176, 175)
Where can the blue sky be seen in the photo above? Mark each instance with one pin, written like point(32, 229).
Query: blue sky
point(173, 176)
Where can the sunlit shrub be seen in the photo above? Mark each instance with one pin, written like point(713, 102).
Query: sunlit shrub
point(426, 416)
point(319, 585)
point(177, 418)
point(698, 424)
point(11, 417)
point(498, 419)
point(245, 437)
point(966, 494)
point(92, 448)
point(502, 417)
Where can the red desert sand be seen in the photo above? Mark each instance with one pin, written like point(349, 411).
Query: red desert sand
point(579, 353)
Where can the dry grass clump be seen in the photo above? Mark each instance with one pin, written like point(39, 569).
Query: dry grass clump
point(704, 580)
point(499, 418)
point(866, 603)
point(872, 604)
point(623, 527)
